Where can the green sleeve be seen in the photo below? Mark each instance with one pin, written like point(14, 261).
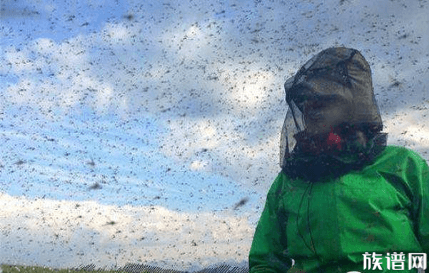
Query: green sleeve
point(269, 249)
point(418, 175)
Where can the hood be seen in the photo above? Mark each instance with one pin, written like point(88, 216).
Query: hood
point(332, 113)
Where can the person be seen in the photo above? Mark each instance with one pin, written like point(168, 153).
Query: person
point(344, 201)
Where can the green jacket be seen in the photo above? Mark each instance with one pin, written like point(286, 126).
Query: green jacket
point(327, 226)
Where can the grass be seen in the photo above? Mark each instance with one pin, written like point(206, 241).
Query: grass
point(38, 269)
point(129, 268)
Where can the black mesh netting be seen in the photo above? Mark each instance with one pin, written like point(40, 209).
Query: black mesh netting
point(333, 123)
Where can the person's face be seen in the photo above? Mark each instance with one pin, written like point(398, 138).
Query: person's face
point(321, 117)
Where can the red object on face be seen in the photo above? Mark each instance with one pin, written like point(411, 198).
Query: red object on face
point(334, 139)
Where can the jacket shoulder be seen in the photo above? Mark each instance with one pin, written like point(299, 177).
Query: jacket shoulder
point(397, 153)
point(401, 163)
point(279, 187)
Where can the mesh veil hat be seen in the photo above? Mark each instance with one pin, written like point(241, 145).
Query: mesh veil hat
point(333, 89)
